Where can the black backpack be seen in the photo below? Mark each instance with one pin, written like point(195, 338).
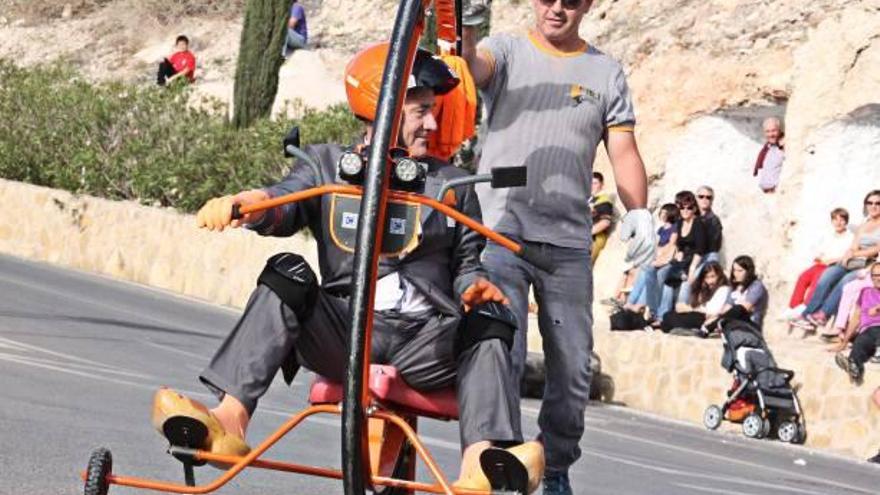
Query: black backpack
point(627, 320)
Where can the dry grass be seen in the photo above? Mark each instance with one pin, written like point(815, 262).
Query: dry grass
point(163, 11)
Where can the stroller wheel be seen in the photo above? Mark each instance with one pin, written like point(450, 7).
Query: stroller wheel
point(712, 417)
point(753, 426)
point(788, 431)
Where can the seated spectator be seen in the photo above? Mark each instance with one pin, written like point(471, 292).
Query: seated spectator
point(864, 325)
point(666, 239)
point(708, 297)
point(832, 248)
point(848, 299)
point(179, 65)
point(602, 211)
point(662, 282)
point(297, 30)
point(864, 249)
point(714, 229)
point(768, 166)
point(747, 300)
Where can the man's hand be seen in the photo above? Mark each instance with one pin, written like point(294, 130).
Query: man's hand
point(482, 291)
point(637, 228)
point(216, 214)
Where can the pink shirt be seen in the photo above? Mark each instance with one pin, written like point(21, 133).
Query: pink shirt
point(869, 298)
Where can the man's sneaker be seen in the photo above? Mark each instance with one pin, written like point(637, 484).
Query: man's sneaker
point(802, 323)
point(851, 367)
point(557, 484)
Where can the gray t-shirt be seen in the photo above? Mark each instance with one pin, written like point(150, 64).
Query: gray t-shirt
point(548, 111)
point(756, 295)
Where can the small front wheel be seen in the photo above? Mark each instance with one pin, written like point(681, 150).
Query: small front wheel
point(712, 417)
point(753, 426)
point(100, 467)
point(787, 431)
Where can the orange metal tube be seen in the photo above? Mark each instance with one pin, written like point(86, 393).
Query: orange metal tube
point(299, 196)
point(420, 448)
point(416, 198)
point(235, 469)
point(459, 217)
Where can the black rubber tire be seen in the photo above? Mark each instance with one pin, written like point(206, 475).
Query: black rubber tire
point(100, 466)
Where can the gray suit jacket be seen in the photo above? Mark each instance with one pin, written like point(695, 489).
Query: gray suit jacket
point(445, 263)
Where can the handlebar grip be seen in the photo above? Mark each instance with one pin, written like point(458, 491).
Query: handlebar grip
point(236, 212)
point(537, 259)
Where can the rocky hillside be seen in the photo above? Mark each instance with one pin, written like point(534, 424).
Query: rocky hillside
point(704, 73)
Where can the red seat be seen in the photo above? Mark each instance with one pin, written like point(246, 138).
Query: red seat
point(388, 387)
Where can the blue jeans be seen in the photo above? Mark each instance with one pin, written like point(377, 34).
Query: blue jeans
point(824, 287)
point(650, 289)
point(832, 302)
point(295, 41)
point(565, 320)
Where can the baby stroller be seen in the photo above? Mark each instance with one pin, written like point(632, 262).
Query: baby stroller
point(761, 397)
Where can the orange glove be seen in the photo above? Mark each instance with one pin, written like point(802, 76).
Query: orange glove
point(216, 214)
point(482, 291)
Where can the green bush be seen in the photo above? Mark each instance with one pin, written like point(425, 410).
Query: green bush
point(141, 142)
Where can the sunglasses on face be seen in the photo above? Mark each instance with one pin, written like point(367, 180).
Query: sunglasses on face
point(872, 203)
point(875, 276)
point(704, 196)
point(688, 208)
point(566, 4)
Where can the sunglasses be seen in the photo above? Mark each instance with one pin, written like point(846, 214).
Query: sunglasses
point(872, 203)
point(704, 196)
point(566, 4)
point(689, 208)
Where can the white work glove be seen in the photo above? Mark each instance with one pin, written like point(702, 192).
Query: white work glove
point(476, 13)
point(637, 230)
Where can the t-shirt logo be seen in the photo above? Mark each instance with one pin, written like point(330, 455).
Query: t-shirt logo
point(579, 93)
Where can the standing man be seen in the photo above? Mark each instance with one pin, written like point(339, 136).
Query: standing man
point(297, 30)
point(768, 166)
point(551, 98)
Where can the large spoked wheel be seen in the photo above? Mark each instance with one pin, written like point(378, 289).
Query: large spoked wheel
point(753, 426)
point(100, 467)
point(712, 417)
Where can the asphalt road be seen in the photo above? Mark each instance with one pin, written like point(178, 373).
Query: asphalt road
point(80, 357)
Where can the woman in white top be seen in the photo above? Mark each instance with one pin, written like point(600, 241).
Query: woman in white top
point(708, 294)
point(832, 249)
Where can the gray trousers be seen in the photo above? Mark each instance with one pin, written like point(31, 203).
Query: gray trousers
point(565, 319)
point(269, 336)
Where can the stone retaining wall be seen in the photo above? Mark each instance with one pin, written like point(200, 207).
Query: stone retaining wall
point(675, 377)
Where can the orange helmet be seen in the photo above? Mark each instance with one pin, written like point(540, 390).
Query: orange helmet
point(363, 77)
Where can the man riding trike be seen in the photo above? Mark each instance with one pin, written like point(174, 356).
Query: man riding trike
point(438, 320)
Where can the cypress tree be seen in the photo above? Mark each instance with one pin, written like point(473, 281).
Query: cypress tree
point(259, 59)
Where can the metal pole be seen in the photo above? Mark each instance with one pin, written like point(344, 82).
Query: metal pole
point(369, 238)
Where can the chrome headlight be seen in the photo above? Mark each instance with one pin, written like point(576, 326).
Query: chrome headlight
point(407, 170)
point(351, 166)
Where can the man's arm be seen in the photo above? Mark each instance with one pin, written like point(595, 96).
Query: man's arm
point(601, 226)
point(629, 169)
point(480, 64)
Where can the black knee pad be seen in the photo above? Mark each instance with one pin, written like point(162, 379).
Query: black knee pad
point(291, 278)
point(486, 321)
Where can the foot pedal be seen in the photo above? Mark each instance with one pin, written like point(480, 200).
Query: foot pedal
point(506, 474)
point(186, 432)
